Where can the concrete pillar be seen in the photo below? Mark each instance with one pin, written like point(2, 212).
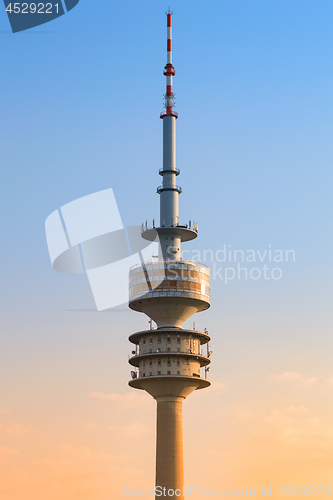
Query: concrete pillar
point(169, 445)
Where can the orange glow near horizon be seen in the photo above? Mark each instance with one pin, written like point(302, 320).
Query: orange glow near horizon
point(229, 442)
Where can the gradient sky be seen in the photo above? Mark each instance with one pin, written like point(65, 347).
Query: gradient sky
point(80, 104)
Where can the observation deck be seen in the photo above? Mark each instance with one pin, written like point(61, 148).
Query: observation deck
point(163, 278)
point(169, 292)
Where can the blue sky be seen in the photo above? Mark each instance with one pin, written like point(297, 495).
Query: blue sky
point(81, 98)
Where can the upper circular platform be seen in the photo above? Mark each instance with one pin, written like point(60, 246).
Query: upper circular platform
point(153, 233)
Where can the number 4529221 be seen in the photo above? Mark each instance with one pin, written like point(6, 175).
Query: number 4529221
point(302, 491)
point(32, 8)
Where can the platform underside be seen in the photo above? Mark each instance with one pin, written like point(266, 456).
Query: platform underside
point(169, 385)
point(185, 233)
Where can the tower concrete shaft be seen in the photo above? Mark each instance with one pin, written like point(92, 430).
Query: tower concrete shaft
point(168, 360)
point(169, 444)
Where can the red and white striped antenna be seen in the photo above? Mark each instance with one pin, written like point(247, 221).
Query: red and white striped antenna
point(169, 70)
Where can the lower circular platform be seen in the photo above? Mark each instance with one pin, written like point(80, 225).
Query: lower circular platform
point(169, 385)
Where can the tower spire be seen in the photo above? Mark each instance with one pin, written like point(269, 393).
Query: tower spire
point(171, 232)
point(169, 70)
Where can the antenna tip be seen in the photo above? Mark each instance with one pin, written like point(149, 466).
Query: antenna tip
point(169, 12)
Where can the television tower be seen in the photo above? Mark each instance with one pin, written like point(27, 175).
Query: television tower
point(169, 290)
